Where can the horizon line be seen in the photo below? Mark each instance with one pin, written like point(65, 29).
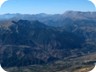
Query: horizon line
point(47, 13)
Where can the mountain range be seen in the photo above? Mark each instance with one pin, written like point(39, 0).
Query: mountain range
point(44, 40)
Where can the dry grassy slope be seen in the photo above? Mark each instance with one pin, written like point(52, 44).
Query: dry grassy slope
point(79, 64)
point(87, 63)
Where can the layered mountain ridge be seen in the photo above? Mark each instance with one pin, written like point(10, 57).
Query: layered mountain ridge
point(43, 39)
point(36, 40)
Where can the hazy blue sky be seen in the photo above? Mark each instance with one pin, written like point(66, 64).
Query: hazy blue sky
point(45, 6)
